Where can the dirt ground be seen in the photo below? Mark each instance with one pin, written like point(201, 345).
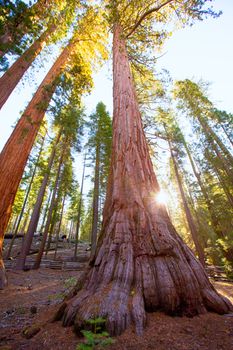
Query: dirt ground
point(32, 297)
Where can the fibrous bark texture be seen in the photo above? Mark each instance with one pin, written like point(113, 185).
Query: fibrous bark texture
point(15, 153)
point(11, 78)
point(141, 264)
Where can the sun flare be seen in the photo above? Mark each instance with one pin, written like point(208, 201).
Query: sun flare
point(161, 197)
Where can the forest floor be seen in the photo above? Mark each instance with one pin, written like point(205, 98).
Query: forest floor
point(32, 297)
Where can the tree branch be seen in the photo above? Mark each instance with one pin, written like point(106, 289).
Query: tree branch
point(154, 9)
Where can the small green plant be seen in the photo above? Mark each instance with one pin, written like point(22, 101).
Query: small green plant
point(96, 336)
point(70, 282)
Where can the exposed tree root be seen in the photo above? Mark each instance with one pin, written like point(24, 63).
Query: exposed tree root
point(3, 278)
point(122, 287)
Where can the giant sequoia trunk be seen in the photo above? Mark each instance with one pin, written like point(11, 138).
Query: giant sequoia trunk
point(17, 149)
point(141, 264)
point(13, 75)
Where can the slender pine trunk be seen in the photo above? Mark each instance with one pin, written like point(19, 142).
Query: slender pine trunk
point(36, 211)
point(221, 180)
point(213, 136)
point(59, 226)
point(50, 213)
point(95, 205)
point(188, 214)
point(45, 212)
point(214, 220)
point(79, 211)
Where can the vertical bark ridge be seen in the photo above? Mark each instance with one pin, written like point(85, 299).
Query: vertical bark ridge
point(13, 75)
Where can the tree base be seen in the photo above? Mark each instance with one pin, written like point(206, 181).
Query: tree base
point(3, 278)
point(167, 283)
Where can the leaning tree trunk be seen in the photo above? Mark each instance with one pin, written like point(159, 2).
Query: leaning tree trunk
point(17, 149)
point(13, 75)
point(25, 200)
point(141, 264)
point(79, 211)
point(59, 226)
point(36, 210)
point(216, 224)
point(213, 136)
point(50, 213)
point(189, 217)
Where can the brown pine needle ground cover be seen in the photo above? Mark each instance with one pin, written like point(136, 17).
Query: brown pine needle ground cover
point(32, 297)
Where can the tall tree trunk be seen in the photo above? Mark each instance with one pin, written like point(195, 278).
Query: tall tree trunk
point(213, 136)
point(25, 199)
point(225, 165)
point(141, 264)
point(95, 215)
point(17, 149)
point(79, 210)
point(227, 134)
point(221, 180)
point(45, 212)
point(36, 211)
point(188, 214)
point(59, 226)
point(216, 224)
point(52, 226)
point(13, 75)
point(52, 205)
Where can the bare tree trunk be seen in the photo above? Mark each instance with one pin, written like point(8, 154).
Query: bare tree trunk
point(188, 214)
point(79, 210)
point(214, 219)
point(25, 199)
point(52, 227)
point(95, 205)
point(141, 264)
point(213, 136)
point(59, 226)
point(13, 75)
point(36, 211)
point(45, 235)
point(226, 133)
point(45, 212)
point(17, 149)
point(220, 179)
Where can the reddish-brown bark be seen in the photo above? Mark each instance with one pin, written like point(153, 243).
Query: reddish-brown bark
point(13, 75)
point(141, 264)
point(15, 153)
